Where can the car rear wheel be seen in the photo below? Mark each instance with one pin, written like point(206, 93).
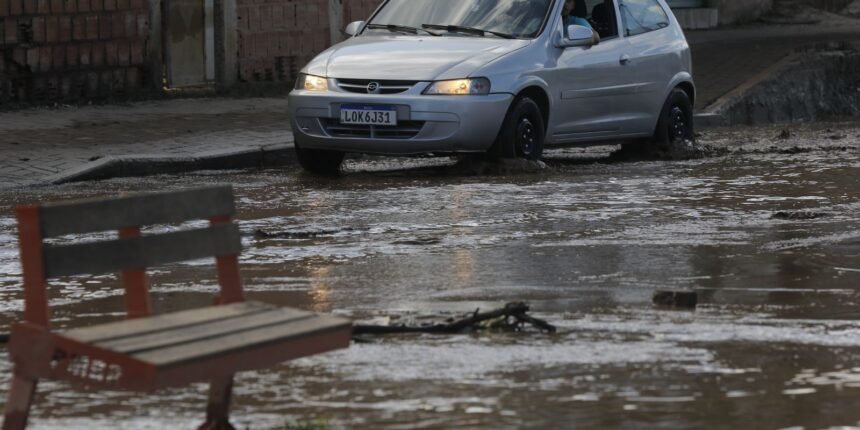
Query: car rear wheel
point(522, 133)
point(319, 161)
point(676, 122)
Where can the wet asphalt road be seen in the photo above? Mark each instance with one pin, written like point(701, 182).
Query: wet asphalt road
point(770, 239)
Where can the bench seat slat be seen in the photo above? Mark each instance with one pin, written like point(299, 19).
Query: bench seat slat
point(248, 341)
point(172, 321)
point(233, 326)
point(141, 252)
point(85, 216)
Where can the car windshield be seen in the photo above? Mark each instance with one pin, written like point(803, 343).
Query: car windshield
point(496, 18)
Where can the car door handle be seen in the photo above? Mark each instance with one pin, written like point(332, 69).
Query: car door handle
point(624, 60)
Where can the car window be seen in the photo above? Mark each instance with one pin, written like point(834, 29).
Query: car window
point(519, 18)
point(602, 18)
point(642, 16)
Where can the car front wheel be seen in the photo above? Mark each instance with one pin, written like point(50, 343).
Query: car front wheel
point(319, 161)
point(522, 133)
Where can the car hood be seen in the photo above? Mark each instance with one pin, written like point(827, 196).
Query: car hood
point(410, 58)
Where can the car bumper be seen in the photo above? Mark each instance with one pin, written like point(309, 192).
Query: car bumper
point(426, 124)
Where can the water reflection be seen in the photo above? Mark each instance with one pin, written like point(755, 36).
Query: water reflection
point(320, 291)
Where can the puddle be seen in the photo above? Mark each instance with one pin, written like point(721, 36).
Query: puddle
point(774, 342)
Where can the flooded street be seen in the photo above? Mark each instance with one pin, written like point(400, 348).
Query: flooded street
point(770, 240)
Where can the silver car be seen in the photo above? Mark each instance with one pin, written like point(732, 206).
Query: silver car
point(502, 77)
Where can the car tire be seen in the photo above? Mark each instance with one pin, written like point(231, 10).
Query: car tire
point(319, 161)
point(523, 131)
point(675, 126)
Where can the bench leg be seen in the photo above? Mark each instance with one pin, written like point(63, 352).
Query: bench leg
point(218, 409)
point(17, 408)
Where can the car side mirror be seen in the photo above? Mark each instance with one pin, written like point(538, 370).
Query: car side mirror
point(577, 35)
point(353, 28)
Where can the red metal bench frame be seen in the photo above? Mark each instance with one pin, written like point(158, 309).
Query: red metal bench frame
point(34, 348)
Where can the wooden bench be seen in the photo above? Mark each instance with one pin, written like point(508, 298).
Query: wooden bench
point(145, 352)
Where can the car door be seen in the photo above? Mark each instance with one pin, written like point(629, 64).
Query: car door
point(652, 55)
point(593, 89)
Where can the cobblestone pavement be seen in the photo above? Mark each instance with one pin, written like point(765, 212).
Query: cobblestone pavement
point(38, 144)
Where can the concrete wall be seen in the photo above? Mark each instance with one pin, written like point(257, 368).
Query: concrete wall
point(71, 49)
point(739, 11)
point(829, 5)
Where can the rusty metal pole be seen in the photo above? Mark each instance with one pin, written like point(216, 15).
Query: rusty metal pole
point(218, 408)
point(17, 408)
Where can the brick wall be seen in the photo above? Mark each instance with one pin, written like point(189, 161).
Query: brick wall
point(278, 37)
point(56, 50)
point(358, 10)
point(71, 49)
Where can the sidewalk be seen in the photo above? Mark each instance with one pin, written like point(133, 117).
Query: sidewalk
point(724, 59)
point(43, 146)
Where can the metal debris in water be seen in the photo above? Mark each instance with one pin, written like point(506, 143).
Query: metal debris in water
point(512, 317)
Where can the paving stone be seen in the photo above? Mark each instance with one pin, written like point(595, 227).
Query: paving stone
point(54, 141)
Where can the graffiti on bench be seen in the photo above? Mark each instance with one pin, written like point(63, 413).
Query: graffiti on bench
point(86, 369)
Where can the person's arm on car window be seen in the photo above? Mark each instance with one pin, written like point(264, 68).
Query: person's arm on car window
point(578, 20)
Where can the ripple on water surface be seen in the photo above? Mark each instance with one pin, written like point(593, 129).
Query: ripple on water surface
point(585, 243)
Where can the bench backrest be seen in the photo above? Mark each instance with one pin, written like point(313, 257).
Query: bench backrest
point(131, 253)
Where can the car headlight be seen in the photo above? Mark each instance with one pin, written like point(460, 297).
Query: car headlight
point(460, 87)
point(311, 83)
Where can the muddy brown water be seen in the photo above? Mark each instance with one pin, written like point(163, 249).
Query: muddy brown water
point(774, 343)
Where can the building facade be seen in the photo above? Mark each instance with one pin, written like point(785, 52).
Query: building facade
point(73, 50)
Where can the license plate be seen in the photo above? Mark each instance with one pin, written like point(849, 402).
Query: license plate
point(368, 114)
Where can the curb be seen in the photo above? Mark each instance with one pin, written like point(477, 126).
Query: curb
point(738, 93)
point(706, 120)
point(145, 165)
point(712, 115)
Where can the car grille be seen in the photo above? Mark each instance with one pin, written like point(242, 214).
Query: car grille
point(403, 129)
point(385, 87)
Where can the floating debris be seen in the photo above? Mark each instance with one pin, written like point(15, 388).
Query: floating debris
point(479, 166)
point(419, 241)
point(676, 299)
point(686, 150)
point(297, 234)
point(512, 317)
point(799, 215)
